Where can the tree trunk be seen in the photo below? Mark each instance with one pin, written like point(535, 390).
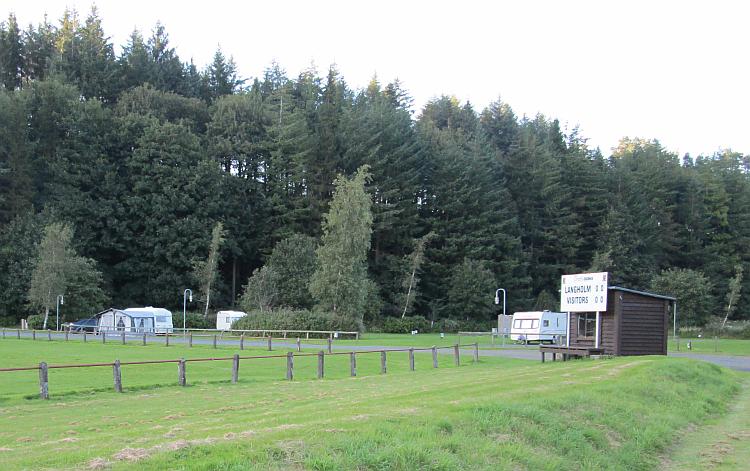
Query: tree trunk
point(729, 309)
point(408, 293)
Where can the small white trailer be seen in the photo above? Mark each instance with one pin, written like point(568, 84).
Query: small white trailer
point(539, 326)
point(224, 319)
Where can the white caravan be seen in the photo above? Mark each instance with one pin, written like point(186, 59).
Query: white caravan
point(136, 319)
point(539, 326)
point(224, 319)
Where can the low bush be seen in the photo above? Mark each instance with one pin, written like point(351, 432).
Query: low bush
point(713, 328)
point(194, 320)
point(9, 321)
point(405, 325)
point(36, 321)
point(288, 319)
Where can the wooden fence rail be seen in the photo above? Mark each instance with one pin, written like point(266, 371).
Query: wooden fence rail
point(117, 365)
point(167, 338)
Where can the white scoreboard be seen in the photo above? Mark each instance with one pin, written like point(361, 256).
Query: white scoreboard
point(584, 292)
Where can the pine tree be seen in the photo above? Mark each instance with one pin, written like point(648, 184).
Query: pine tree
point(39, 50)
point(11, 54)
point(97, 70)
point(221, 77)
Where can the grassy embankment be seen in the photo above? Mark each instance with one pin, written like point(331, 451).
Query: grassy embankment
point(723, 444)
point(608, 414)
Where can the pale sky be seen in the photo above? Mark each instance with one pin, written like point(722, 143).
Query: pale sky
point(676, 71)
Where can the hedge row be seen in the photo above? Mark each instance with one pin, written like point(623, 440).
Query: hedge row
point(287, 319)
point(405, 325)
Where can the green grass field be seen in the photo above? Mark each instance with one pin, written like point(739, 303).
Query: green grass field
point(498, 414)
point(19, 385)
point(709, 345)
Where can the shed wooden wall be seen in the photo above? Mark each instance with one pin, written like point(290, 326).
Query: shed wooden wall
point(643, 322)
point(608, 326)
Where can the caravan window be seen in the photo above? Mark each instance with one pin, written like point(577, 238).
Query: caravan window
point(526, 324)
point(545, 323)
point(161, 318)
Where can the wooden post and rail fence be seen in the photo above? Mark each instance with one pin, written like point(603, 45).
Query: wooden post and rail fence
point(186, 336)
point(117, 365)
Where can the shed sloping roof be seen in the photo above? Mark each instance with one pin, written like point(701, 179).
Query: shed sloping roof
point(642, 293)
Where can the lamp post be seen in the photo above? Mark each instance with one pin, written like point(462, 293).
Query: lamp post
point(184, 308)
point(497, 301)
point(60, 300)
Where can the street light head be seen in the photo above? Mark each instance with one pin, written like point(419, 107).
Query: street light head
point(191, 297)
point(497, 299)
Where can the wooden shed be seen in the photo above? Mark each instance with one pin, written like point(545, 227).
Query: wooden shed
point(635, 323)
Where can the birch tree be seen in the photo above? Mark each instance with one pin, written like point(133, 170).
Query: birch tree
point(411, 281)
point(733, 296)
point(340, 281)
point(49, 278)
point(206, 270)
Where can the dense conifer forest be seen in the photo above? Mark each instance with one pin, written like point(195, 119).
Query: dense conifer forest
point(141, 154)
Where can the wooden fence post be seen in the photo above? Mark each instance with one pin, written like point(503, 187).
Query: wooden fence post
point(66, 335)
point(123, 337)
point(181, 380)
point(18, 333)
point(476, 352)
point(49, 335)
point(356, 336)
point(383, 363)
point(321, 364)
point(434, 357)
point(235, 368)
point(166, 339)
point(242, 341)
point(411, 359)
point(84, 336)
point(43, 383)
point(214, 341)
point(353, 363)
point(190, 340)
point(299, 344)
point(33, 334)
point(330, 346)
point(104, 337)
point(117, 375)
point(270, 347)
point(290, 366)
point(456, 355)
point(144, 339)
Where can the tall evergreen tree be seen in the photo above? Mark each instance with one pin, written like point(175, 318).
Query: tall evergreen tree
point(11, 54)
